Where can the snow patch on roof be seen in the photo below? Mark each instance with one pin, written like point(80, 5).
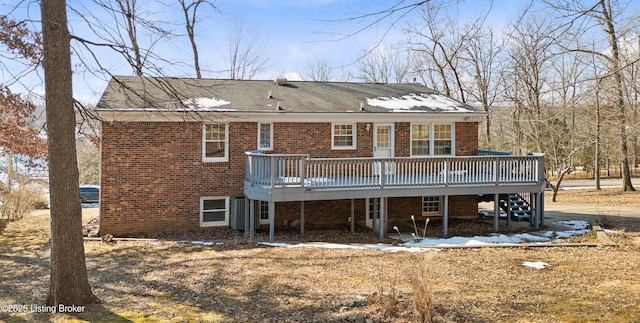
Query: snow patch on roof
point(422, 102)
point(206, 104)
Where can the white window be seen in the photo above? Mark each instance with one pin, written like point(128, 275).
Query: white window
point(432, 139)
point(215, 142)
point(420, 140)
point(214, 211)
point(431, 205)
point(442, 142)
point(265, 136)
point(264, 212)
point(343, 136)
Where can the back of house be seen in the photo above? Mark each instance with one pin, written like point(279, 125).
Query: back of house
point(183, 154)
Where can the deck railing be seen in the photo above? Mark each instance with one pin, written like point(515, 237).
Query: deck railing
point(282, 170)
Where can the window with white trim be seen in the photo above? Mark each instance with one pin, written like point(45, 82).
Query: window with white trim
point(264, 212)
point(420, 140)
point(442, 142)
point(343, 136)
point(428, 139)
point(215, 142)
point(265, 136)
point(432, 205)
point(214, 211)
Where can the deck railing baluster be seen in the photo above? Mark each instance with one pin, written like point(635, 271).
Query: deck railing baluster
point(282, 170)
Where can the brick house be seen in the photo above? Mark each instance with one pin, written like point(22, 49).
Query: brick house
point(188, 154)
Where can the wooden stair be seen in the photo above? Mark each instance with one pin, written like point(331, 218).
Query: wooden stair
point(518, 207)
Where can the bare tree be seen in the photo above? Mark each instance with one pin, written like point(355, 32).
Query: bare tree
point(132, 32)
point(482, 53)
point(603, 13)
point(190, 10)
point(527, 78)
point(384, 65)
point(88, 152)
point(247, 55)
point(440, 41)
point(69, 283)
point(319, 71)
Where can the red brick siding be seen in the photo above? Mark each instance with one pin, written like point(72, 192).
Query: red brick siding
point(339, 211)
point(320, 212)
point(459, 207)
point(402, 140)
point(153, 175)
point(466, 138)
point(315, 139)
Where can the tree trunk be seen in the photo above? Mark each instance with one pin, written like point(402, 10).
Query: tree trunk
point(9, 171)
point(596, 169)
point(621, 114)
point(69, 283)
point(557, 186)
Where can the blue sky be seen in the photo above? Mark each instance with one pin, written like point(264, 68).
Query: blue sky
point(296, 33)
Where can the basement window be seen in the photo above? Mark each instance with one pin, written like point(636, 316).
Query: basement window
point(432, 205)
point(214, 211)
point(264, 212)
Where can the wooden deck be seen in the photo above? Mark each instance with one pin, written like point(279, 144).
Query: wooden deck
point(282, 177)
point(298, 177)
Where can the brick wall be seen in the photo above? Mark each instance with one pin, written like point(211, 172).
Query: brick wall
point(315, 139)
point(339, 211)
point(466, 138)
point(153, 175)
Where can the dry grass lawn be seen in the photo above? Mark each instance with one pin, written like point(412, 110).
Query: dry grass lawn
point(238, 281)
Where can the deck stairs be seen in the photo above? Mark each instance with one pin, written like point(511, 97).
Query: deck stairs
point(518, 207)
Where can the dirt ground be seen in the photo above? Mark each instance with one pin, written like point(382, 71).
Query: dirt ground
point(233, 280)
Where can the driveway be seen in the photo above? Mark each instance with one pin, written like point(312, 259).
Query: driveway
point(590, 212)
point(605, 182)
point(594, 214)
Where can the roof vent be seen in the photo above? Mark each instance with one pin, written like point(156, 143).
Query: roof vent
point(281, 81)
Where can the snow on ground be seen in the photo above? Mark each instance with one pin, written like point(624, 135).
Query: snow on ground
point(535, 264)
point(382, 247)
point(574, 227)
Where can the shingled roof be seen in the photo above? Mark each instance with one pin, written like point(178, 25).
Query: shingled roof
point(132, 93)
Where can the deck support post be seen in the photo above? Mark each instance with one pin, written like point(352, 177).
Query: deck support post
point(533, 209)
point(373, 218)
point(536, 213)
point(272, 220)
point(353, 225)
point(445, 216)
point(541, 208)
point(496, 212)
point(508, 207)
point(252, 219)
point(381, 221)
point(246, 216)
point(302, 218)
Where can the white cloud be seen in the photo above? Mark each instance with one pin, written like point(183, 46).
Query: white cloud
point(293, 76)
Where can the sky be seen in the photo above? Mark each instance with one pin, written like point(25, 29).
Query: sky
point(295, 35)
